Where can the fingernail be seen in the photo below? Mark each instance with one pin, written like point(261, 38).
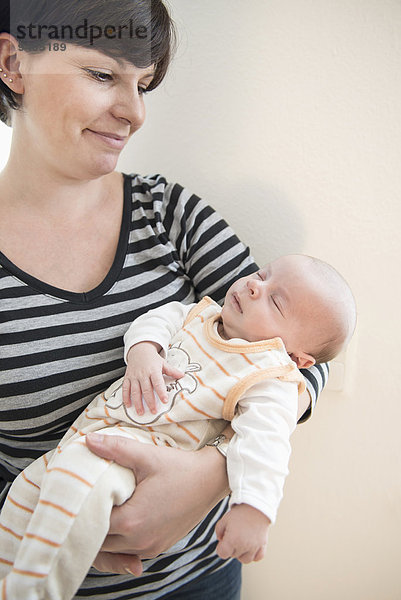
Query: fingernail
point(127, 570)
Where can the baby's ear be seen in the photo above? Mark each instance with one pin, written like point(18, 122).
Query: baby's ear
point(302, 359)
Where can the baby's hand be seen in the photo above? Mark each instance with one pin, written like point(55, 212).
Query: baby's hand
point(242, 534)
point(144, 377)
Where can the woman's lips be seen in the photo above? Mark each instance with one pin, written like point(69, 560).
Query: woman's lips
point(114, 141)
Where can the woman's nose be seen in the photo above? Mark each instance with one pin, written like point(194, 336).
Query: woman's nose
point(130, 108)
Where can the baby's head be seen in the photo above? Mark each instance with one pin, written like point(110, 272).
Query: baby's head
point(298, 298)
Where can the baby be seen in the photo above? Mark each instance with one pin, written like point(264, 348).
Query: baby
point(190, 369)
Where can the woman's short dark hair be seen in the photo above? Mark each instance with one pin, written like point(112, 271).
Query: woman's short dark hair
point(140, 31)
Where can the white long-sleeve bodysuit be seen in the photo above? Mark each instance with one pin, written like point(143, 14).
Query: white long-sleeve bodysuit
point(57, 512)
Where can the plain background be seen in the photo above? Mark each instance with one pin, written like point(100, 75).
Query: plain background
point(285, 116)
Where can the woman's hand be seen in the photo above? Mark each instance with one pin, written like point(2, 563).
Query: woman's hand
point(175, 490)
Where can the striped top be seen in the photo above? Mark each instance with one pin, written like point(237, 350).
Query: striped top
point(58, 349)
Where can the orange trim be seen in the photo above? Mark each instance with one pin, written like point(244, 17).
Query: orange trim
point(194, 312)
point(210, 357)
point(300, 380)
point(71, 474)
point(29, 481)
point(3, 588)
point(58, 507)
point(45, 459)
point(240, 348)
point(89, 419)
point(3, 561)
point(198, 410)
point(289, 372)
point(250, 362)
point(191, 435)
point(19, 505)
point(30, 573)
point(209, 388)
point(8, 530)
point(32, 536)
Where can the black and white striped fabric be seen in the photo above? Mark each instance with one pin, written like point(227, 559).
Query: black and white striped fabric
point(58, 349)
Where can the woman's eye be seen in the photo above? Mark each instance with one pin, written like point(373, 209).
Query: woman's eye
point(100, 75)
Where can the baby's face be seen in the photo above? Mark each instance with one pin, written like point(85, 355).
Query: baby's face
point(279, 300)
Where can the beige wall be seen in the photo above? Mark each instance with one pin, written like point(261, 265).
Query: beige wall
point(285, 116)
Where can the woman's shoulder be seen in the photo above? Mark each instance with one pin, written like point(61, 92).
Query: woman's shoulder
point(156, 185)
point(154, 195)
point(148, 183)
point(145, 181)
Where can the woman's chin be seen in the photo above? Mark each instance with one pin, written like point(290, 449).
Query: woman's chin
point(103, 166)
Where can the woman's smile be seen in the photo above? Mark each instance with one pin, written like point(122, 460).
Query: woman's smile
point(111, 139)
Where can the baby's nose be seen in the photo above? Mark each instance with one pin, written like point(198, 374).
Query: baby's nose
point(253, 287)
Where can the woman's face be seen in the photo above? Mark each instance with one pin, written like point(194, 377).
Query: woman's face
point(80, 107)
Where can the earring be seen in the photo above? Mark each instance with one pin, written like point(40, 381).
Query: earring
point(5, 75)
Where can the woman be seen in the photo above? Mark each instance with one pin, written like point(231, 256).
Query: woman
point(84, 251)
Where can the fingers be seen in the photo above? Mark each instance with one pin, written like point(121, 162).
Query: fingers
point(232, 545)
point(260, 553)
point(127, 453)
point(127, 392)
point(224, 549)
point(220, 529)
point(136, 397)
point(122, 564)
point(138, 390)
point(172, 371)
point(159, 386)
point(132, 394)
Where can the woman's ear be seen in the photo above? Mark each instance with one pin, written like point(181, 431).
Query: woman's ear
point(302, 359)
point(10, 63)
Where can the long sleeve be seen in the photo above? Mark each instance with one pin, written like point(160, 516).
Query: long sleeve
point(258, 454)
point(205, 247)
point(158, 325)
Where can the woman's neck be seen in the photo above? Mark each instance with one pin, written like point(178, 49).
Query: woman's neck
point(40, 183)
point(38, 190)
